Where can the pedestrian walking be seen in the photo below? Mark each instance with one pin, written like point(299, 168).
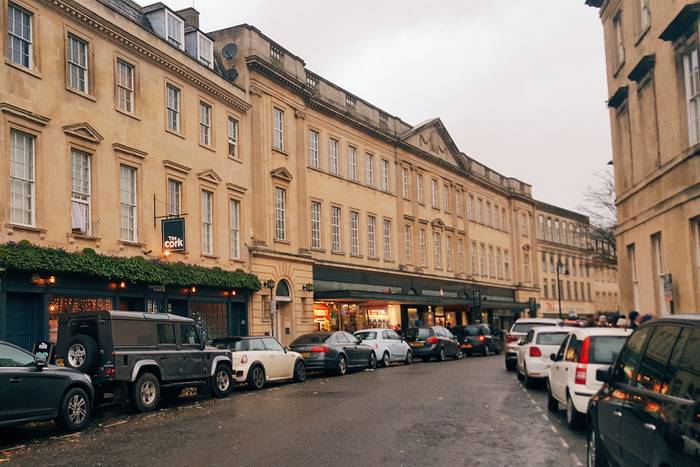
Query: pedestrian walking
point(634, 319)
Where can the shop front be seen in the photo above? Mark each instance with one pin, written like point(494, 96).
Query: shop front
point(351, 317)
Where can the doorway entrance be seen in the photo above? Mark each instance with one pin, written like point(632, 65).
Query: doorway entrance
point(23, 319)
point(284, 314)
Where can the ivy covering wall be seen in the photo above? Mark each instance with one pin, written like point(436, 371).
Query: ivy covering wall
point(24, 256)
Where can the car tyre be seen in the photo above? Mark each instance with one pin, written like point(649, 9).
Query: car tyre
point(510, 365)
point(74, 413)
point(487, 352)
point(575, 419)
point(386, 360)
point(145, 392)
point(409, 357)
point(222, 381)
point(82, 353)
point(256, 378)
point(299, 371)
point(342, 366)
point(442, 356)
point(459, 355)
point(372, 364)
point(527, 381)
point(552, 403)
point(519, 375)
point(596, 454)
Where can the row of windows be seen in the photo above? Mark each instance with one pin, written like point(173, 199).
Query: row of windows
point(642, 25)
point(570, 290)
point(567, 233)
point(567, 266)
point(23, 199)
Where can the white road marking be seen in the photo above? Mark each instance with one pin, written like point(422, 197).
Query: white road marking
point(537, 407)
point(72, 435)
point(545, 417)
point(564, 443)
point(553, 429)
point(533, 401)
point(14, 448)
point(577, 461)
point(116, 424)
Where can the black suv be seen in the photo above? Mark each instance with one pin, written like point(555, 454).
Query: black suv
point(146, 354)
point(648, 411)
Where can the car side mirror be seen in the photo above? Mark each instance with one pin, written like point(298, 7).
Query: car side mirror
point(40, 364)
point(286, 349)
point(553, 357)
point(604, 375)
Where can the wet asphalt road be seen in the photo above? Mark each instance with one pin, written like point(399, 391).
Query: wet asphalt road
point(469, 412)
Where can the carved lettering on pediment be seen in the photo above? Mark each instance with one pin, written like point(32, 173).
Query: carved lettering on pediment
point(433, 143)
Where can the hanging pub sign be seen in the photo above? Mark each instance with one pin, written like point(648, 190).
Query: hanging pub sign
point(173, 234)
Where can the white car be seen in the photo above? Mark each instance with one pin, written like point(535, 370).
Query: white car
point(571, 378)
point(388, 346)
point(517, 332)
point(259, 360)
point(534, 352)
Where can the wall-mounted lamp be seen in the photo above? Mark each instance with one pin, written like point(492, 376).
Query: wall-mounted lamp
point(51, 280)
point(234, 292)
point(270, 284)
point(122, 284)
point(308, 287)
point(193, 289)
point(166, 254)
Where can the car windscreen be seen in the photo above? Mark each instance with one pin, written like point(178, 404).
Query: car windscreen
point(316, 338)
point(229, 344)
point(551, 338)
point(366, 335)
point(524, 328)
point(604, 349)
point(413, 334)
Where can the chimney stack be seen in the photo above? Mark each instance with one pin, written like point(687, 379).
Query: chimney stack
point(191, 17)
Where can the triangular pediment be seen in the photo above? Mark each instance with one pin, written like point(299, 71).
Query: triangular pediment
point(209, 176)
point(432, 137)
point(282, 174)
point(84, 131)
point(438, 223)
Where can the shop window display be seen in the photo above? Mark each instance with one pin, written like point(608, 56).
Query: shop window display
point(72, 304)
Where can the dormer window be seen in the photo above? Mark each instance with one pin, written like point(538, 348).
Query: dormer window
point(175, 30)
point(205, 50)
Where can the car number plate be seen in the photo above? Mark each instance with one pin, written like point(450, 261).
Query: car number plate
point(466, 346)
point(416, 344)
point(305, 354)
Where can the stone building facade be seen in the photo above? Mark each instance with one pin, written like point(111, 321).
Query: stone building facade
point(652, 70)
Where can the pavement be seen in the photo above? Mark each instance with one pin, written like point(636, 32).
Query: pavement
point(469, 412)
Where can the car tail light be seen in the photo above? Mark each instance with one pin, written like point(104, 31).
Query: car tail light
point(510, 338)
point(244, 358)
point(482, 338)
point(585, 347)
point(111, 372)
point(535, 351)
point(580, 374)
point(319, 349)
point(432, 340)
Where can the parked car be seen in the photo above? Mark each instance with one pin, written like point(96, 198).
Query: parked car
point(31, 390)
point(435, 342)
point(517, 332)
point(258, 360)
point(571, 378)
point(535, 350)
point(477, 339)
point(143, 354)
point(648, 410)
point(337, 351)
point(387, 345)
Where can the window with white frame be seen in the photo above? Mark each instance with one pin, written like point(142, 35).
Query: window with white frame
point(315, 224)
point(470, 207)
point(644, 15)
point(460, 255)
point(437, 250)
point(434, 194)
point(540, 227)
point(404, 182)
point(333, 156)
point(504, 220)
point(371, 236)
point(480, 211)
point(232, 137)
point(78, 75)
point(446, 197)
point(458, 203)
point(22, 171)
point(205, 50)
point(354, 232)
point(658, 271)
point(127, 196)
point(235, 213)
point(549, 233)
point(482, 261)
point(526, 267)
point(691, 73)
point(175, 30)
point(313, 149)
point(419, 189)
point(384, 172)
point(352, 163)
point(19, 40)
point(204, 124)
point(174, 197)
point(499, 264)
point(80, 191)
point(280, 213)
point(207, 222)
point(473, 254)
point(277, 129)
point(448, 253)
point(422, 247)
point(488, 220)
point(125, 86)
point(506, 265)
point(407, 244)
point(335, 229)
point(496, 217)
point(369, 169)
point(492, 262)
point(619, 39)
point(387, 240)
point(173, 108)
point(525, 219)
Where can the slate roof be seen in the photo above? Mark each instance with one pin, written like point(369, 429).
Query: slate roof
point(129, 10)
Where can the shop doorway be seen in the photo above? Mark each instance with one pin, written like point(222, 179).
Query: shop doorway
point(23, 318)
point(284, 316)
point(178, 307)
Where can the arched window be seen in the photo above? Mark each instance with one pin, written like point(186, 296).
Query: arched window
point(282, 292)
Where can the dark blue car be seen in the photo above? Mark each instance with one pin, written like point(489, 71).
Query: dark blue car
point(32, 390)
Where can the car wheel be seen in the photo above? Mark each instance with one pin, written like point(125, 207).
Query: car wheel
point(82, 353)
point(74, 413)
point(372, 365)
point(527, 381)
point(145, 392)
point(442, 355)
point(299, 371)
point(510, 365)
point(596, 454)
point(519, 375)
point(256, 378)
point(552, 403)
point(386, 360)
point(459, 354)
point(342, 366)
point(222, 381)
point(409, 358)
point(574, 418)
point(487, 352)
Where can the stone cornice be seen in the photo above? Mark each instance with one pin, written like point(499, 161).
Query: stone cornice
point(19, 112)
point(77, 12)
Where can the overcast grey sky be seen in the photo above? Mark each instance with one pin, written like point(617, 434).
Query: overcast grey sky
point(520, 84)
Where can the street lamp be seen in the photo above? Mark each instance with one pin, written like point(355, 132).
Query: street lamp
point(560, 266)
